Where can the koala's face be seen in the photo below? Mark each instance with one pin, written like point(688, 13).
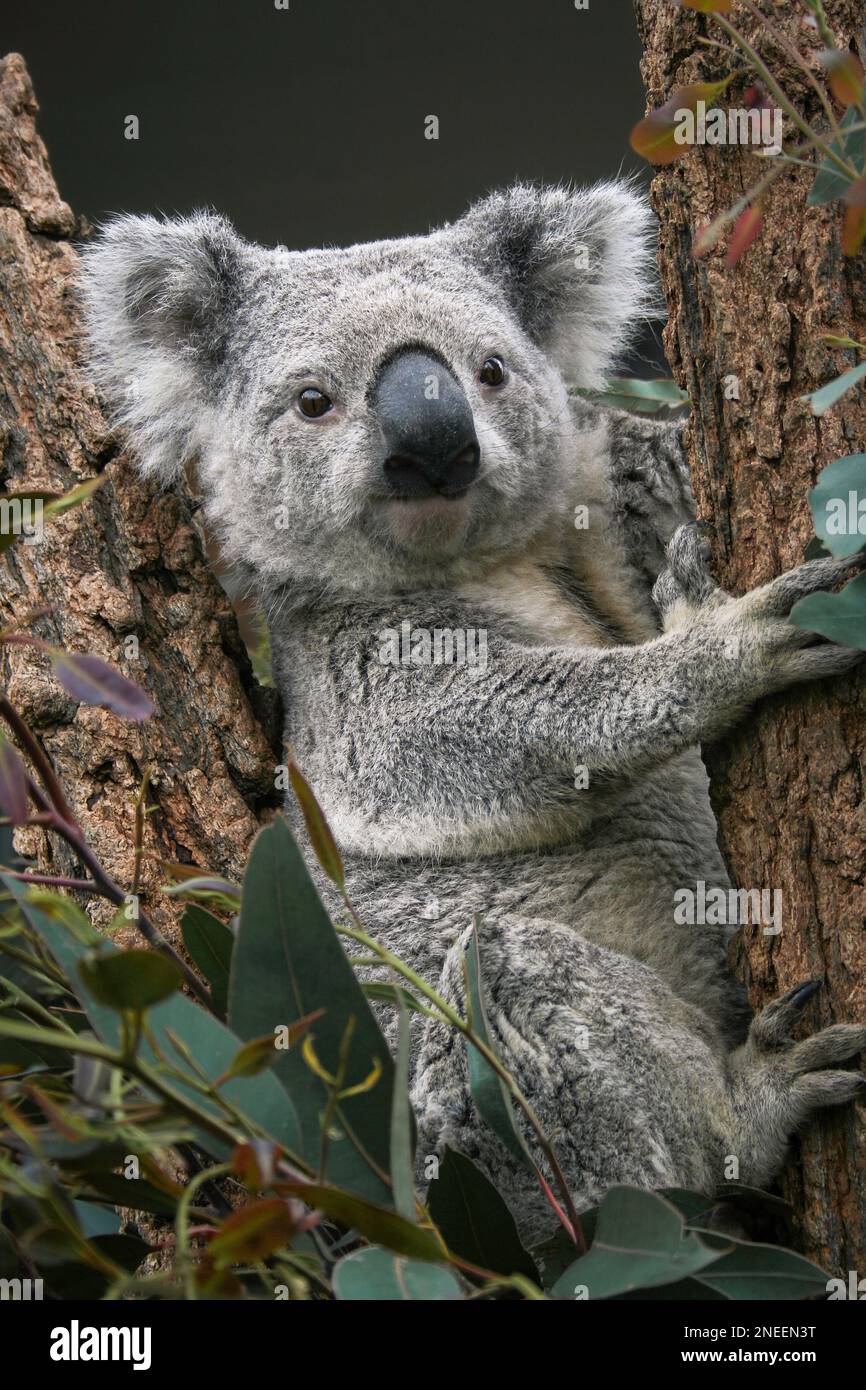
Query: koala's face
point(389, 415)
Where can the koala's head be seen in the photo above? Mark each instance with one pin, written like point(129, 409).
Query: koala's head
point(376, 417)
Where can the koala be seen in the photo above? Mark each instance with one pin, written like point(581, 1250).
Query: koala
point(499, 648)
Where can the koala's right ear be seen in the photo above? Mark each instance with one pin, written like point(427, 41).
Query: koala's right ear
point(158, 300)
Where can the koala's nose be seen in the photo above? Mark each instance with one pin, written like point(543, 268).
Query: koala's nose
point(428, 433)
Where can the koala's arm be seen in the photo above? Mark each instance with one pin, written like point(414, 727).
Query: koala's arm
point(492, 744)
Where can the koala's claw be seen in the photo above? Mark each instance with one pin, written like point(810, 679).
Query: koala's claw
point(778, 1083)
point(777, 598)
point(772, 1026)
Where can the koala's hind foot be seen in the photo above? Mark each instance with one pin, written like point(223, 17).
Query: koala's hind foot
point(777, 1084)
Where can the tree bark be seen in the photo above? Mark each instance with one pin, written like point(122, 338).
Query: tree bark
point(130, 564)
point(787, 786)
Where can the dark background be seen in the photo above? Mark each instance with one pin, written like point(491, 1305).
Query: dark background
point(306, 126)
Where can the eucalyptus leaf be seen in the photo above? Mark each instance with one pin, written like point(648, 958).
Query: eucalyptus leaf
point(261, 1098)
point(474, 1221)
point(641, 1242)
point(645, 397)
point(487, 1087)
point(765, 1272)
point(375, 1275)
point(827, 395)
point(829, 182)
point(287, 963)
point(838, 503)
point(839, 617)
point(210, 944)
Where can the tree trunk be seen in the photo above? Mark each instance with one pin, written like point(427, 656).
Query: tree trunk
point(787, 786)
point(124, 576)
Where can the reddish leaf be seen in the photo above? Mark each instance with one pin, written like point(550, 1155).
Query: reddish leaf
point(67, 1125)
point(14, 797)
point(92, 681)
point(746, 229)
point(707, 238)
point(854, 225)
point(845, 74)
point(654, 138)
point(217, 1283)
point(255, 1163)
point(253, 1233)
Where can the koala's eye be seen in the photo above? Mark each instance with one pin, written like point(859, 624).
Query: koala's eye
point(314, 403)
point(492, 371)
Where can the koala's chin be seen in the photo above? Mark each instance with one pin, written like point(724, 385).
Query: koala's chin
point(427, 526)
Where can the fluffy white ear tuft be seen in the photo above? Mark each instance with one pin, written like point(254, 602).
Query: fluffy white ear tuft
point(578, 266)
point(158, 300)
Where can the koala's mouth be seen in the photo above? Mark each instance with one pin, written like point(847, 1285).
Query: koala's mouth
point(425, 523)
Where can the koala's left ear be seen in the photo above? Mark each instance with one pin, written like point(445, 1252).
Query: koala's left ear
point(577, 266)
point(158, 300)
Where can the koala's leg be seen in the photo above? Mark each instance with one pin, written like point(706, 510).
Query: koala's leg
point(617, 1069)
point(778, 1084)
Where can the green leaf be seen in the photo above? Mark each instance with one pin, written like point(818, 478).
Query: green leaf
point(829, 182)
point(375, 1275)
point(261, 1098)
point(646, 397)
point(76, 495)
point(640, 1242)
point(488, 1089)
point(130, 979)
point(690, 1205)
point(838, 503)
point(822, 399)
point(210, 944)
point(375, 1223)
point(391, 994)
point(254, 1056)
point(322, 840)
point(288, 962)
point(402, 1126)
point(95, 1220)
point(211, 889)
point(474, 1221)
point(816, 550)
point(761, 1272)
point(840, 617)
point(129, 1192)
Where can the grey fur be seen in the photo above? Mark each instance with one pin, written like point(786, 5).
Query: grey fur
point(451, 788)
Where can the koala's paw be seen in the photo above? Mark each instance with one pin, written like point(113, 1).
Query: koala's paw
point(751, 636)
point(778, 1084)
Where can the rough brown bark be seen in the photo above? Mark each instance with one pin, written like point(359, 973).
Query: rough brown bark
point(129, 564)
point(787, 786)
